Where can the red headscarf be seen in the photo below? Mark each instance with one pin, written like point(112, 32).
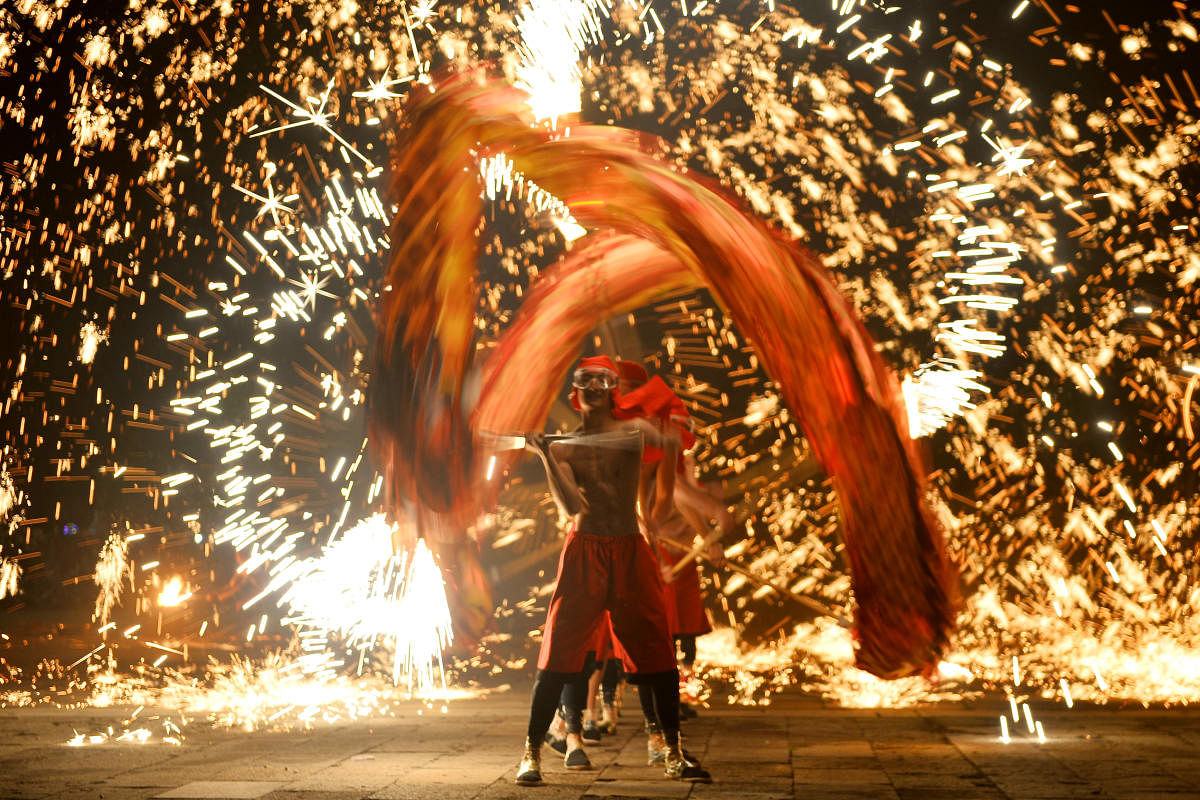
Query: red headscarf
point(654, 400)
point(633, 372)
point(598, 363)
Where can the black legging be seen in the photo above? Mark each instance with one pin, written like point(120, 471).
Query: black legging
point(687, 645)
point(549, 690)
point(658, 692)
point(613, 673)
point(573, 698)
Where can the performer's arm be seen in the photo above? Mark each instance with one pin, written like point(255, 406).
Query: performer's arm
point(698, 507)
point(563, 487)
point(655, 497)
point(664, 485)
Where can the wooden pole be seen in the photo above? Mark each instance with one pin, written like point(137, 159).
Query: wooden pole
point(808, 602)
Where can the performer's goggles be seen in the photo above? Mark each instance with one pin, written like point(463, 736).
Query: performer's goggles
point(586, 376)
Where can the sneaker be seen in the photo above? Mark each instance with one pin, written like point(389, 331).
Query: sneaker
point(681, 765)
point(681, 769)
point(608, 719)
point(529, 771)
point(656, 749)
point(558, 745)
point(577, 760)
point(591, 733)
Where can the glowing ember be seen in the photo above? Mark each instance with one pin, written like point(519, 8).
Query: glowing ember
point(10, 575)
point(112, 571)
point(173, 594)
point(90, 339)
point(360, 590)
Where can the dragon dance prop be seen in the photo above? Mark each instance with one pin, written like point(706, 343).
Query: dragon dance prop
point(433, 400)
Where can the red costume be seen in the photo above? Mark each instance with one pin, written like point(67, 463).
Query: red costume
point(685, 605)
point(617, 574)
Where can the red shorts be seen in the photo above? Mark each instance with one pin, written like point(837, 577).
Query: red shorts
point(686, 608)
point(601, 643)
point(617, 574)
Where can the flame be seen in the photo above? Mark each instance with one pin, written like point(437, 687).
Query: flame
point(173, 594)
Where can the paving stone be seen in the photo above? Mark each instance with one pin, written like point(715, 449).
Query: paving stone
point(109, 792)
point(175, 776)
point(750, 755)
point(849, 793)
point(632, 772)
point(1112, 768)
point(1121, 786)
point(507, 790)
point(841, 777)
point(948, 765)
point(29, 790)
point(799, 747)
point(715, 791)
point(835, 749)
point(938, 781)
point(426, 791)
point(927, 793)
point(1033, 790)
point(749, 776)
point(646, 789)
point(1186, 769)
point(221, 790)
point(362, 775)
point(725, 765)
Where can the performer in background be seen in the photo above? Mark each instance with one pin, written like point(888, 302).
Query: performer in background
point(605, 566)
point(688, 512)
point(697, 505)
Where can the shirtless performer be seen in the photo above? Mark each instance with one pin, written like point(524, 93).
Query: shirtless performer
point(605, 566)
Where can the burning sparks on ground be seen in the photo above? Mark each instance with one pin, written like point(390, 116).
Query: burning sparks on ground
point(112, 571)
point(372, 598)
point(277, 692)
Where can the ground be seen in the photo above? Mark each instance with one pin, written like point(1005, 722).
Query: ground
point(798, 747)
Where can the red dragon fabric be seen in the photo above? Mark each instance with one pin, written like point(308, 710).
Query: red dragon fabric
point(432, 403)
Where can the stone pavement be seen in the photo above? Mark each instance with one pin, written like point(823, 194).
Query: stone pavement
point(798, 747)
